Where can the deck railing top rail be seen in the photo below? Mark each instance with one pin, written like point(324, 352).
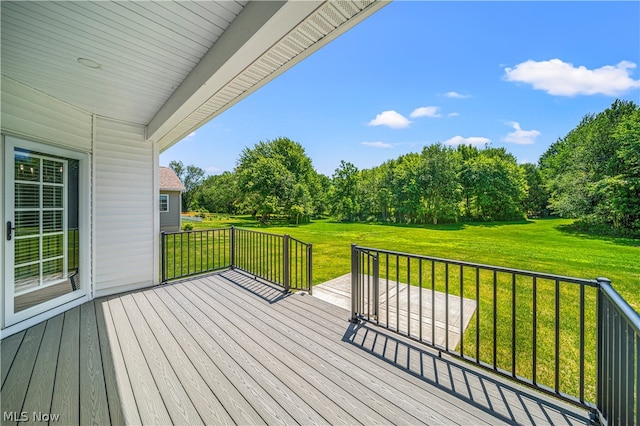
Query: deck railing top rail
point(589, 282)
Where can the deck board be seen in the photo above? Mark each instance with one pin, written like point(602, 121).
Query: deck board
point(230, 349)
point(94, 408)
point(122, 405)
point(146, 393)
point(40, 391)
point(16, 385)
point(8, 351)
point(66, 390)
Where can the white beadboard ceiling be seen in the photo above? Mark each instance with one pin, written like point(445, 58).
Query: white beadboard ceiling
point(170, 65)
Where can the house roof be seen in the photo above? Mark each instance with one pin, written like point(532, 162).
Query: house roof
point(169, 181)
point(170, 66)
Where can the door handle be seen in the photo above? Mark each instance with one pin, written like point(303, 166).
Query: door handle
point(10, 230)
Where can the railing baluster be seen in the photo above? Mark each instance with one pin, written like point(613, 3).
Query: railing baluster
point(534, 329)
point(433, 302)
point(495, 310)
point(387, 281)
point(397, 292)
point(408, 296)
point(513, 325)
point(446, 305)
point(581, 392)
point(421, 317)
point(557, 338)
point(477, 314)
point(461, 311)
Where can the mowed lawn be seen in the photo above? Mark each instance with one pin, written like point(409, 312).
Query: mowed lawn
point(543, 245)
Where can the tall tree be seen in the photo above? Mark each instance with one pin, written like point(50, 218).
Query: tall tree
point(345, 195)
point(274, 176)
point(191, 177)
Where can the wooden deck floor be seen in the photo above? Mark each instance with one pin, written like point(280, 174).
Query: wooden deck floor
point(227, 349)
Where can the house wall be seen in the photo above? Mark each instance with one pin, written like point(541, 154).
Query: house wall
point(125, 197)
point(170, 220)
point(123, 207)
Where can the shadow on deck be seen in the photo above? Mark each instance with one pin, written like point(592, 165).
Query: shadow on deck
point(229, 349)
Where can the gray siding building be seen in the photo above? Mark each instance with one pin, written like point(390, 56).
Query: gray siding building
point(171, 189)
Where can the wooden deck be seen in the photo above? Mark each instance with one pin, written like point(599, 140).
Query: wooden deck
point(227, 349)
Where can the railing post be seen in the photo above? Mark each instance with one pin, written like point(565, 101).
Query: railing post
point(354, 283)
point(310, 268)
point(285, 262)
point(163, 259)
point(232, 247)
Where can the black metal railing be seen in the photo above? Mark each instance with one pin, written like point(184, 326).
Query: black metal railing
point(618, 362)
point(188, 253)
point(280, 259)
point(573, 338)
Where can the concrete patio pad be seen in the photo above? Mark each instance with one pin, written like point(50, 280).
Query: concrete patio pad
point(399, 299)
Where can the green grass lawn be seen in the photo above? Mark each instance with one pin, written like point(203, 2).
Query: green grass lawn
point(546, 246)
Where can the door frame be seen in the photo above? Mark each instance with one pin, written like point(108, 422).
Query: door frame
point(52, 307)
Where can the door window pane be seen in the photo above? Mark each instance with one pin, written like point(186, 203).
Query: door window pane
point(27, 250)
point(27, 168)
point(52, 171)
point(52, 196)
point(52, 221)
point(52, 246)
point(27, 223)
point(27, 196)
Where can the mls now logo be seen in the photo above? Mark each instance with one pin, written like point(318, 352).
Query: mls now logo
point(23, 416)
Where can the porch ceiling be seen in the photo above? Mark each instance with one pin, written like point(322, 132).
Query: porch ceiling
point(169, 65)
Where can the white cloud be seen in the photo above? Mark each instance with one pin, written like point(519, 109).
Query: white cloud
point(473, 140)
point(563, 79)
point(453, 114)
point(192, 134)
point(521, 137)
point(213, 169)
point(428, 111)
point(378, 144)
point(456, 95)
point(391, 119)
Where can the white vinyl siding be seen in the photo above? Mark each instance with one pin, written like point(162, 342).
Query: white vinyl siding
point(35, 116)
point(125, 196)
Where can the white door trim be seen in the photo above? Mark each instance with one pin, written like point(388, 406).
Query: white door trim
point(30, 316)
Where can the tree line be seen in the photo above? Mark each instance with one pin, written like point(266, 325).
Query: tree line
point(593, 174)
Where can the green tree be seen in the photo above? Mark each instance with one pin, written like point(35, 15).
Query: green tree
point(219, 193)
point(345, 194)
point(191, 177)
point(274, 176)
point(535, 202)
point(590, 172)
point(439, 186)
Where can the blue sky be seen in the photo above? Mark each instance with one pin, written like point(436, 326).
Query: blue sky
point(517, 75)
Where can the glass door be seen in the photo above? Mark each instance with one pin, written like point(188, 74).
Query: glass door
point(42, 235)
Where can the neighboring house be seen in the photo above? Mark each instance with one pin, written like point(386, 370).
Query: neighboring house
point(91, 94)
point(171, 189)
